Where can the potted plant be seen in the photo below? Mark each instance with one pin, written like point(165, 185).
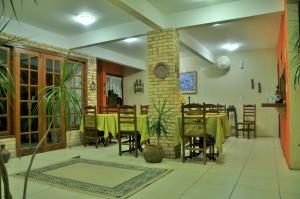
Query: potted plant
point(154, 153)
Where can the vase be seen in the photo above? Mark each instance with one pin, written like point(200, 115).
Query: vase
point(4, 153)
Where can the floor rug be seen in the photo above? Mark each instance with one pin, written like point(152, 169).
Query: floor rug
point(106, 179)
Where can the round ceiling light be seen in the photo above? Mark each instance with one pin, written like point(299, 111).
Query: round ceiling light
point(85, 19)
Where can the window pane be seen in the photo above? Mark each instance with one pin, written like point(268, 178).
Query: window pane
point(3, 56)
point(49, 80)
point(24, 125)
point(3, 107)
point(49, 65)
point(3, 124)
point(78, 69)
point(3, 69)
point(25, 141)
point(34, 78)
point(78, 82)
point(33, 93)
point(24, 77)
point(57, 122)
point(57, 66)
point(34, 124)
point(56, 80)
point(34, 139)
point(34, 63)
point(24, 92)
point(78, 93)
point(24, 109)
point(24, 61)
point(34, 108)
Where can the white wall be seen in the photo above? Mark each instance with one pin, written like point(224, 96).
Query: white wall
point(131, 98)
point(231, 86)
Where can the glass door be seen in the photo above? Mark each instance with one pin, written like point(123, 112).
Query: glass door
point(28, 126)
point(56, 136)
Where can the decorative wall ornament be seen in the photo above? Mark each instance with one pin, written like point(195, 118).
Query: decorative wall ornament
point(138, 86)
point(188, 82)
point(259, 87)
point(161, 70)
point(252, 84)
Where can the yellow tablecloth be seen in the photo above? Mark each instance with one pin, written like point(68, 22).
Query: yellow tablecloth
point(217, 126)
point(108, 123)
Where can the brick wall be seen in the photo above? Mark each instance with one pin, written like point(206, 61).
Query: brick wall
point(163, 46)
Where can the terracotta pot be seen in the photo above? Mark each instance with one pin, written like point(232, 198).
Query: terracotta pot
point(153, 153)
point(4, 153)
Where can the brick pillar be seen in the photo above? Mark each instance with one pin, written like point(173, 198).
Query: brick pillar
point(163, 46)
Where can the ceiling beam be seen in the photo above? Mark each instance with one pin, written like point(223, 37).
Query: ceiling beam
point(193, 45)
point(112, 33)
point(143, 11)
point(223, 12)
point(106, 54)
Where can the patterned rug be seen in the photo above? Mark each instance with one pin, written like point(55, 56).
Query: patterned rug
point(105, 179)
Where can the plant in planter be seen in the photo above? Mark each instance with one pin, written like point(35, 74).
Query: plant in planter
point(153, 153)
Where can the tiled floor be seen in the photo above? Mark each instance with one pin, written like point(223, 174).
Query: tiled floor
point(253, 169)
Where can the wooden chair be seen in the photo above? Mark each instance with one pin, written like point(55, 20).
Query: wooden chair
point(127, 117)
point(144, 109)
point(222, 108)
point(193, 115)
point(249, 121)
point(212, 108)
point(90, 126)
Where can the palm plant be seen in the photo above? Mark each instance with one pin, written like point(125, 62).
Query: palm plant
point(56, 100)
point(158, 124)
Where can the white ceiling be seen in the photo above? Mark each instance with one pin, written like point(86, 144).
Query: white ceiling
point(259, 32)
point(252, 33)
point(170, 6)
point(57, 15)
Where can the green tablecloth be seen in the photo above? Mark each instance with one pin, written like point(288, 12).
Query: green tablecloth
point(108, 123)
point(217, 126)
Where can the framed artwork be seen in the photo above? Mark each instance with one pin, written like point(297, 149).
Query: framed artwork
point(188, 82)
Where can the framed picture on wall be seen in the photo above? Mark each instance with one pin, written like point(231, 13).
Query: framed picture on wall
point(188, 82)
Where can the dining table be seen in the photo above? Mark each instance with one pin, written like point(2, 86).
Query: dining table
point(217, 125)
point(108, 123)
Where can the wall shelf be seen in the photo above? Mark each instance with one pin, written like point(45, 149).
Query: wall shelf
point(280, 107)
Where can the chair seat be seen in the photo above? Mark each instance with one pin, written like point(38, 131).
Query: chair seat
point(246, 122)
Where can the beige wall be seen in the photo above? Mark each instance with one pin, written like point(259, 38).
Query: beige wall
point(131, 98)
point(226, 86)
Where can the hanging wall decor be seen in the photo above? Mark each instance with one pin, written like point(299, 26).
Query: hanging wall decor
point(259, 87)
point(93, 84)
point(138, 86)
point(252, 84)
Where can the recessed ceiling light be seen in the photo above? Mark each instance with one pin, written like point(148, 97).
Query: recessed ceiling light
point(85, 19)
point(230, 46)
point(216, 24)
point(130, 40)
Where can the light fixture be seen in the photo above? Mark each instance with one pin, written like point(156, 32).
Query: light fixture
point(130, 40)
point(85, 19)
point(216, 24)
point(230, 46)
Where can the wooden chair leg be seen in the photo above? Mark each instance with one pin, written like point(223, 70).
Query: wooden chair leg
point(183, 150)
point(204, 149)
point(119, 141)
point(248, 130)
point(135, 145)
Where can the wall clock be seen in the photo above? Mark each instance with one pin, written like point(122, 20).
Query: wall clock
point(161, 70)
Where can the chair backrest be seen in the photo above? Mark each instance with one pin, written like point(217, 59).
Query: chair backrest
point(144, 109)
point(89, 117)
point(193, 115)
point(127, 117)
point(212, 108)
point(249, 112)
point(222, 108)
point(107, 109)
